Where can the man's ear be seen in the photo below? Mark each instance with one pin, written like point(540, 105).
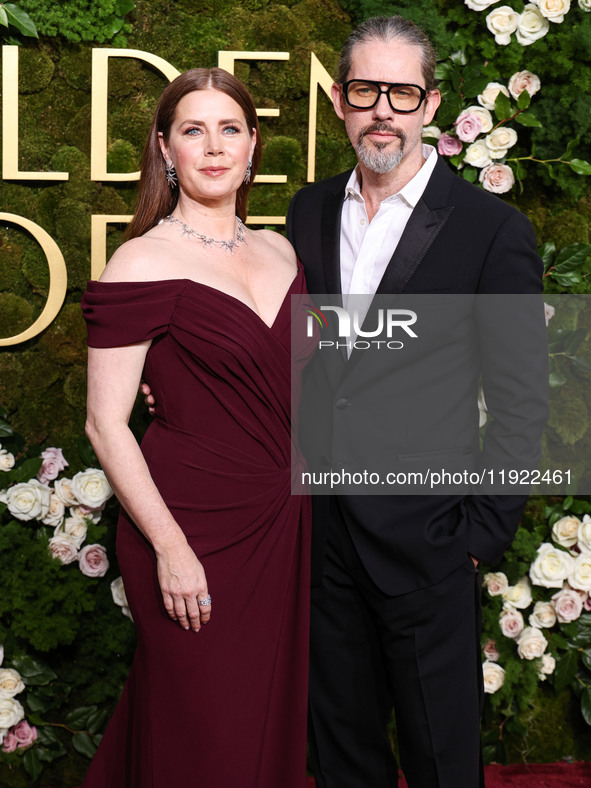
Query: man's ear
point(432, 101)
point(336, 91)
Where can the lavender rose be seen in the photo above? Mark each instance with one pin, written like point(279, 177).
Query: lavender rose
point(496, 583)
point(448, 145)
point(24, 733)
point(93, 560)
point(568, 605)
point(53, 462)
point(468, 127)
point(512, 623)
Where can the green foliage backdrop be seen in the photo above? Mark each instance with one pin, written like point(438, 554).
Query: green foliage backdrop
point(42, 381)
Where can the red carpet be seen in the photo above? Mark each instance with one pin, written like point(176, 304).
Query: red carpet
point(538, 775)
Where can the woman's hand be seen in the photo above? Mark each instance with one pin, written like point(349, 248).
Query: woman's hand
point(183, 583)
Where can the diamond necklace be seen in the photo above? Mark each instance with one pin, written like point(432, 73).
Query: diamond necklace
point(227, 246)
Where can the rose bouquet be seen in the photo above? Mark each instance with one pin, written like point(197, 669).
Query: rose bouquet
point(473, 128)
point(56, 581)
point(536, 613)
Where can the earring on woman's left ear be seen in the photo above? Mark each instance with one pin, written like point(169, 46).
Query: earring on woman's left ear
point(170, 175)
point(248, 172)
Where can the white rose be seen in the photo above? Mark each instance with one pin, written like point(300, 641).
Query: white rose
point(519, 595)
point(493, 675)
point(55, 513)
point(431, 131)
point(477, 154)
point(524, 80)
point(75, 528)
point(511, 622)
point(497, 178)
point(547, 666)
point(479, 5)
point(580, 575)
point(11, 683)
point(11, 712)
point(585, 5)
point(91, 488)
point(531, 644)
point(63, 490)
point(484, 116)
point(28, 500)
point(565, 531)
point(119, 597)
point(1, 654)
point(489, 95)
point(544, 615)
point(6, 460)
point(63, 547)
point(499, 140)
point(554, 10)
point(584, 532)
point(551, 567)
point(502, 22)
point(482, 410)
point(532, 25)
point(496, 583)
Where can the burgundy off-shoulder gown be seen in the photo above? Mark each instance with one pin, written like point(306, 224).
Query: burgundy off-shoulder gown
point(224, 707)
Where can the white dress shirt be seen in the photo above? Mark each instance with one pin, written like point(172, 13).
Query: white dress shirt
point(366, 248)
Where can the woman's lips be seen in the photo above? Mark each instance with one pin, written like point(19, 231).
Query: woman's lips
point(214, 172)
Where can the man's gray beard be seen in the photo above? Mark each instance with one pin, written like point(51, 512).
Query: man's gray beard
point(375, 158)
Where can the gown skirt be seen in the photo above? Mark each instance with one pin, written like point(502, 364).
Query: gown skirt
point(224, 707)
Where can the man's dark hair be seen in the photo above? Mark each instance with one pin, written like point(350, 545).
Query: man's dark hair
point(386, 28)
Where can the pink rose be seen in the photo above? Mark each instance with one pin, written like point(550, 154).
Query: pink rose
point(468, 126)
point(512, 623)
point(93, 560)
point(524, 80)
point(10, 742)
point(53, 462)
point(448, 145)
point(490, 651)
point(24, 733)
point(587, 604)
point(497, 178)
point(568, 604)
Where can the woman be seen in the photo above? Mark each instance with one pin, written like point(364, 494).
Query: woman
point(212, 547)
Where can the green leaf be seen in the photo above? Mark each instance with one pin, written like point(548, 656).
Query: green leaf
point(573, 256)
point(473, 85)
point(520, 171)
point(586, 657)
point(5, 428)
point(556, 380)
point(586, 705)
point(456, 78)
point(524, 100)
point(78, 718)
point(28, 470)
point(123, 7)
point(527, 119)
point(34, 672)
point(581, 363)
point(3, 17)
point(502, 107)
point(580, 167)
point(36, 704)
point(442, 70)
point(21, 20)
point(459, 57)
point(96, 720)
point(32, 763)
point(565, 670)
point(573, 340)
point(547, 252)
point(470, 174)
point(84, 744)
point(567, 280)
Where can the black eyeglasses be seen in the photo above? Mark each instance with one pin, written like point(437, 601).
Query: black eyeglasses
point(365, 94)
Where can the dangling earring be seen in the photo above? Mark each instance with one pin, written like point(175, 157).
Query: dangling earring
point(170, 175)
point(248, 172)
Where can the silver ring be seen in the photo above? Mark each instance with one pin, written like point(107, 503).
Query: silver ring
point(205, 601)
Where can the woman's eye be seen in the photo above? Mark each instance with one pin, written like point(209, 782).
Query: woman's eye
point(231, 130)
point(192, 131)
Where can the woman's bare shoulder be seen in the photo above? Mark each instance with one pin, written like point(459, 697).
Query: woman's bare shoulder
point(137, 260)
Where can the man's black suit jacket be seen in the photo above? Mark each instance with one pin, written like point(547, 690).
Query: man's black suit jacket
point(458, 240)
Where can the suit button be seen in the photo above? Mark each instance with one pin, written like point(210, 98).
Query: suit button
point(342, 403)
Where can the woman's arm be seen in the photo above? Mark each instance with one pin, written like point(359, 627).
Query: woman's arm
point(113, 379)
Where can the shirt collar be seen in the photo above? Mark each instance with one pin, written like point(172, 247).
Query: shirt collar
point(411, 193)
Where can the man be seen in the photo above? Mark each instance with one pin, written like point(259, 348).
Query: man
point(395, 596)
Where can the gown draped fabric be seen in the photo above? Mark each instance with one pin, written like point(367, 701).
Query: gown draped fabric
point(224, 707)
